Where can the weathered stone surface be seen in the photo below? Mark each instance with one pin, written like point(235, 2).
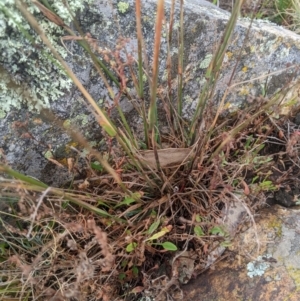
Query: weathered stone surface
point(269, 270)
point(268, 49)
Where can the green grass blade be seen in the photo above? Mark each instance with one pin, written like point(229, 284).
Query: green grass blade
point(56, 191)
point(140, 66)
point(140, 50)
point(155, 71)
point(104, 121)
point(213, 71)
point(169, 65)
point(180, 64)
point(22, 177)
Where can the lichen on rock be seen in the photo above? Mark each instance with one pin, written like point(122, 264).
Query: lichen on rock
point(29, 72)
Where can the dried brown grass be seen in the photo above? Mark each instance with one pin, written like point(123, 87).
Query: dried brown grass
point(60, 251)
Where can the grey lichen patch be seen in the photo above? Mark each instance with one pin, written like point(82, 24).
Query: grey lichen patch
point(268, 45)
point(188, 99)
point(258, 266)
point(206, 61)
point(2, 114)
point(100, 102)
point(82, 118)
point(165, 75)
point(48, 154)
point(31, 74)
point(284, 53)
point(144, 78)
point(123, 7)
point(244, 91)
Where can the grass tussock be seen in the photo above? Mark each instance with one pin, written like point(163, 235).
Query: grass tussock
point(89, 242)
point(148, 201)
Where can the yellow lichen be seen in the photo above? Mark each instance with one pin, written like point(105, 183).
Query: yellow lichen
point(244, 91)
point(63, 161)
point(67, 123)
point(276, 224)
point(69, 145)
point(229, 54)
point(295, 275)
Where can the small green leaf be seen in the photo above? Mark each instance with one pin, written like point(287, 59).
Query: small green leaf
point(248, 141)
point(135, 271)
point(131, 247)
point(143, 145)
point(127, 201)
point(198, 218)
point(226, 244)
point(97, 166)
point(159, 234)
point(169, 246)
point(153, 227)
point(198, 231)
point(267, 185)
point(122, 276)
point(217, 230)
point(124, 263)
point(153, 213)
point(102, 203)
point(3, 248)
point(64, 205)
point(262, 160)
point(235, 182)
point(133, 213)
point(134, 197)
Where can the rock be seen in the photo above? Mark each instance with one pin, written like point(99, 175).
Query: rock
point(268, 56)
point(286, 198)
point(263, 264)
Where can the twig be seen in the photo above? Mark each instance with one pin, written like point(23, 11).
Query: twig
point(33, 216)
